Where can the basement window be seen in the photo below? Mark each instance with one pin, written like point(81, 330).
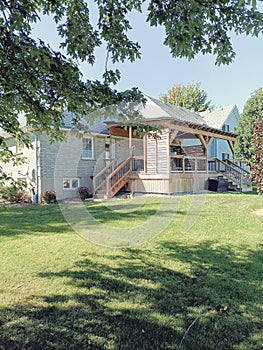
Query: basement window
point(70, 183)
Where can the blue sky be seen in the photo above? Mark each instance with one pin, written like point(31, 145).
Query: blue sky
point(157, 70)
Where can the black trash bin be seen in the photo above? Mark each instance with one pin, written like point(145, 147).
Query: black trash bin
point(212, 184)
point(222, 185)
point(218, 185)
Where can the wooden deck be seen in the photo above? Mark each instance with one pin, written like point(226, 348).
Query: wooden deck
point(188, 174)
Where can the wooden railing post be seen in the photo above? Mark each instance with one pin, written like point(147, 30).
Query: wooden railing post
point(99, 180)
point(108, 186)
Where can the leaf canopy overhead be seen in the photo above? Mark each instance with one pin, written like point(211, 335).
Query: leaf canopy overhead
point(40, 83)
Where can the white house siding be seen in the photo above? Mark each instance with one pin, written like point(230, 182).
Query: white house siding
point(164, 152)
point(27, 170)
point(63, 160)
point(122, 148)
point(151, 156)
point(158, 154)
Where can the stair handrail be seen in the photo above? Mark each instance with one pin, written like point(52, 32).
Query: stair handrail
point(232, 173)
point(109, 187)
point(120, 166)
point(237, 166)
point(100, 174)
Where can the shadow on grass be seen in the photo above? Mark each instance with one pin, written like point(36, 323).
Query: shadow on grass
point(31, 219)
point(50, 219)
point(141, 299)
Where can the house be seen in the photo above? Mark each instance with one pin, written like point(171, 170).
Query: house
point(109, 157)
point(226, 119)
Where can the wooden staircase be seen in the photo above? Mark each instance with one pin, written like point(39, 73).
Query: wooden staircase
point(238, 177)
point(110, 180)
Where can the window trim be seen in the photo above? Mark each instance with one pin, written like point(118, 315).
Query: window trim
point(225, 156)
point(226, 127)
point(19, 147)
point(70, 179)
point(92, 147)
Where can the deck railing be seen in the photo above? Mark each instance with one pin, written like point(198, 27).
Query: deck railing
point(230, 171)
point(138, 163)
point(238, 167)
point(187, 164)
point(199, 164)
point(113, 177)
point(99, 180)
point(118, 178)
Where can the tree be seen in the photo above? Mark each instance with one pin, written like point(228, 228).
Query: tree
point(253, 111)
point(41, 83)
point(256, 171)
point(190, 96)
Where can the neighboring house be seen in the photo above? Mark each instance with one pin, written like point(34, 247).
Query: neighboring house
point(109, 156)
point(226, 119)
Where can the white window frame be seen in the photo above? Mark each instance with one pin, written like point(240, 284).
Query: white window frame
point(70, 180)
point(225, 156)
point(92, 147)
point(226, 127)
point(19, 148)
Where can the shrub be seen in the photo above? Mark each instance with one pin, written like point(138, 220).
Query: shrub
point(83, 192)
point(14, 193)
point(48, 196)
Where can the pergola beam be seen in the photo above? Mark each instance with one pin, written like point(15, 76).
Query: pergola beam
point(203, 142)
point(173, 135)
point(232, 147)
point(196, 132)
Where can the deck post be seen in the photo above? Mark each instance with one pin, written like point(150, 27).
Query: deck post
point(145, 153)
point(107, 187)
point(130, 141)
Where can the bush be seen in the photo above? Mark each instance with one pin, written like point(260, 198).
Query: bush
point(83, 192)
point(48, 196)
point(14, 193)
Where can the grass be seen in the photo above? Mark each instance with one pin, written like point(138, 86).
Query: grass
point(60, 291)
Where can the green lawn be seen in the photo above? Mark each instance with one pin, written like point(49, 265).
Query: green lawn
point(61, 291)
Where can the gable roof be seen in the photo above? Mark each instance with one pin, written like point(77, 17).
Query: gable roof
point(157, 109)
point(217, 117)
point(98, 127)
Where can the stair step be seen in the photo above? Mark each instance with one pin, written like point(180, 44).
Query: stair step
point(100, 196)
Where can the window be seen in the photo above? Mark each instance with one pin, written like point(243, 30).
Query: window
point(87, 148)
point(19, 147)
point(70, 183)
point(107, 151)
point(225, 156)
point(33, 175)
point(21, 180)
point(225, 127)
